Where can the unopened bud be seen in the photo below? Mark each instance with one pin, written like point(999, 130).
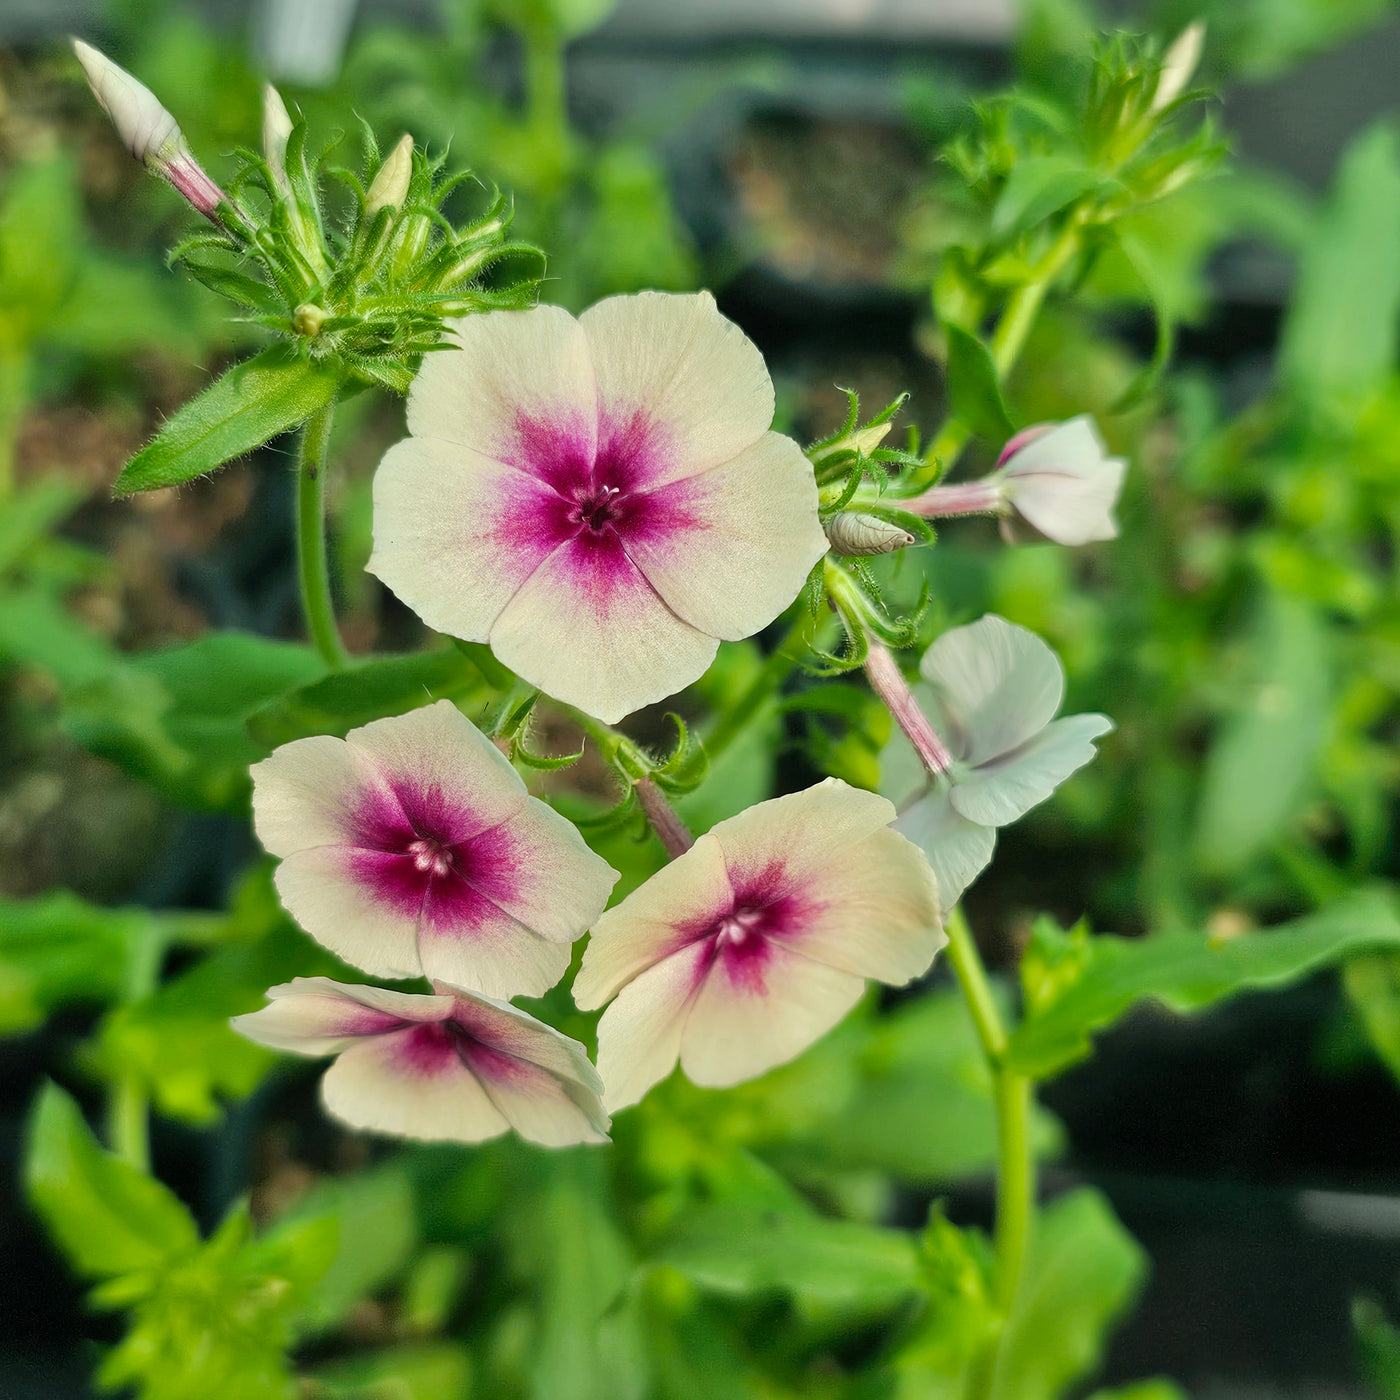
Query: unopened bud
point(390, 184)
point(277, 127)
point(151, 134)
point(858, 533)
point(1179, 64)
point(308, 319)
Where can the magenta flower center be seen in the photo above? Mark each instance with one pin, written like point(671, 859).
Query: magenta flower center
point(597, 509)
point(740, 939)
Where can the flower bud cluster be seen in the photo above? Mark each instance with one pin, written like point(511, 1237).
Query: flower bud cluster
point(373, 296)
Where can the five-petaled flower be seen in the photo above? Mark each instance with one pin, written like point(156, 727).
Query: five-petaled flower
point(992, 693)
point(600, 499)
point(1057, 476)
point(411, 847)
point(741, 952)
point(454, 1066)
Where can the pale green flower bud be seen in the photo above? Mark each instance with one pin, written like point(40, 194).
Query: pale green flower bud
point(1179, 64)
point(277, 127)
point(390, 184)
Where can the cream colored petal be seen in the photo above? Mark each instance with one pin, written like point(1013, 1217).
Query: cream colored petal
point(1064, 482)
point(589, 630)
point(305, 793)
point(660, 916)
point(512, 371)
point(514, 1032)
point(739, 542)
point(741, 1026)
point(493, 954)
point(318, 1016)
point(456, 534)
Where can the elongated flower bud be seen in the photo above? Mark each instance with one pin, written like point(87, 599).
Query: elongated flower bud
point(277, 127)
point(151, 134)
point(390, 184)
point(1179, 64)
point(857, 533)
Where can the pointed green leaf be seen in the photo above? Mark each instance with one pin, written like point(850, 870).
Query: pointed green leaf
point(107, 1217)
point(252, 403)
point(973, 388)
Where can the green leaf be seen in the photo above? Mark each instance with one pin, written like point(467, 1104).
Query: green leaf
point(1083, 1270)
point(1038, 187)
point(973, 387)
point(741, 1252)
point(31, 512)
point(253, 402)
point(1155, 1389)
point(1263, 757)
point(1186, 971)
point(344, 700)
point(1378, 1341)
point(1373, 987)
point(107, 1217)
point(178, 718)
point(36, 630)
point(1340, 335)
point(419, 1371)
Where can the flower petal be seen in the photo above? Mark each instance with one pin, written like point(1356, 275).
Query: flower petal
point(412, 1084)
point(456, 534)
point(683, 899)
point(779, 845)
point(756, 1012)
point(470, 942)
point(742, 539)
point(511, 1031)
point(872, 910)
point(512, 372)
point(588, 629)
point(688, 372)
point(957, 849)
point(317, 1016)
point(997, 686)
point(305, 792)
point(1065, 483)
point(324, 890)
point(1001, 791)
point(639, 1035)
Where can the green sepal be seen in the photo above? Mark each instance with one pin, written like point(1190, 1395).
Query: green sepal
point(255, 401)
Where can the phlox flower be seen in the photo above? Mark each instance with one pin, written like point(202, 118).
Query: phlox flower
point(454, 1066)
point(599, 499)
point(1058, 477)
point(742, 951)
point(411, 848)
point(992, 690)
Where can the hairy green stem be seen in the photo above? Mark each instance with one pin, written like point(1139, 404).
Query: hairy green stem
point(781, 662)
point(312, 568)
point(128, 1119)
point(1013, 1095)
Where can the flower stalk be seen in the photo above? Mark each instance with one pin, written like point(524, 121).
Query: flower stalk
point(313, 571)
point(887, 681)
point(665, 821)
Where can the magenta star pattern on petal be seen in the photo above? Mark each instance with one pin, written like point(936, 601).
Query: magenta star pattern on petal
point(454, 1066)
point(743, 951)
point(411, 848)
point(600, 499)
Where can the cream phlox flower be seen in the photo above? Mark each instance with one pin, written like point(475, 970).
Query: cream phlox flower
point(411, 847)
point(455, 1066)
point(741, 952)
point(993, 690)
point(1060, 478)
point(599, 499)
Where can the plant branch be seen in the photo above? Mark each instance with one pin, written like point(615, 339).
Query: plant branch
point(312, 568)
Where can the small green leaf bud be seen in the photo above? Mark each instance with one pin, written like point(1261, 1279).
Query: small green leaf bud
point(308, 319)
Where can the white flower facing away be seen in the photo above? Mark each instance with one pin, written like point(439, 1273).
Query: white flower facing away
point(411, 848)
point(743, 951)
point(992, 692)
point(600, 499)
point(456, 1066)
point(1060, 478)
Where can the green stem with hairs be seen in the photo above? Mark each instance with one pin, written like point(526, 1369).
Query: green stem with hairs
point(312, 568)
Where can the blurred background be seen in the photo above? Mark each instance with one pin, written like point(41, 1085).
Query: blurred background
point(1244, 633)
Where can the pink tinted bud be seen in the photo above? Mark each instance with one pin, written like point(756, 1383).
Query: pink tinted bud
point(149, 131)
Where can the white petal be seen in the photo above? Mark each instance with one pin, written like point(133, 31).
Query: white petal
point(957, 849)
point(652, 922)
point(319, 889)
point(1007, 788)
point(317, 1016)
point(456, 534)
point(742, 539)
point(639, 1035)
point(588, 629)
point(739, 1028)
point(440, 750)
point(558, 887)
point(997, 685)
point(514, 1032)
point(1065, 484)
point(686, 369)
point(872, 910)
point(514, 370)
point(382, 1085)
point(304, 794)
point(789, 840)
point(493, 954)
